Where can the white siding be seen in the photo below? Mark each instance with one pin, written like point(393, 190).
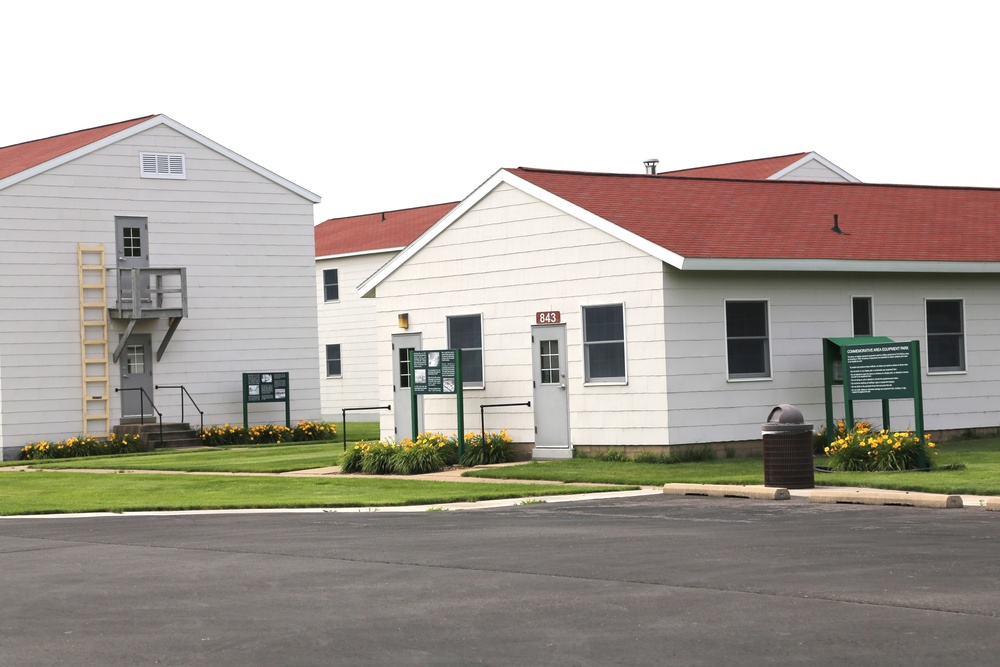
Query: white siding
point(349, 322)
point(804, 309)
point(246, 242)
point(507, 258)
point(813, 170)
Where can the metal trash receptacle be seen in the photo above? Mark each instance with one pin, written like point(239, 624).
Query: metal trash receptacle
point(788, 449)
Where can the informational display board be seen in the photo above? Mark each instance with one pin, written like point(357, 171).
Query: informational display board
point(266, 388)
point(435, 371)
point(878, 371)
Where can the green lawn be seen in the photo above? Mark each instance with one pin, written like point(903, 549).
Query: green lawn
point(981, 475)
point(46, 493)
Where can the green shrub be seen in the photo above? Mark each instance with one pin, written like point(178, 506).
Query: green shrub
point(416, 458)
point(267, 434)
point(820, 441)
point(350, 461)
point(377, 458)
point(862, 449)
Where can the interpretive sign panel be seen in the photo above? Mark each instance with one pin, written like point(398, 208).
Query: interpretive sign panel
point(879, 371)
point(435, 371)
point(266, 388)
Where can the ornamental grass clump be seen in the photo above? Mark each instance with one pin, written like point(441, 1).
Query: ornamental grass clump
point(495, 449)
point(81, 446)
point(865, 450)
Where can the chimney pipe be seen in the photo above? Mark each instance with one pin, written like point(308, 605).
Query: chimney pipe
point(651, 166)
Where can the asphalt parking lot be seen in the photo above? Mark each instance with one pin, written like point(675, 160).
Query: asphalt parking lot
point(646, 580)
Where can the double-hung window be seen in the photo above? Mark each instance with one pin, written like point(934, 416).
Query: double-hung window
point(331, 285)
point(604, 344)
point(945, 335)
point(333, 368)
point(748, 347)
point(465, 332)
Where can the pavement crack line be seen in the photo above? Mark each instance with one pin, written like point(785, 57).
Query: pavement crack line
point(461, 568)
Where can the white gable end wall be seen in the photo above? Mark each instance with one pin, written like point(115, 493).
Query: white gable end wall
point(507, 258)
point(350, 323)
point(247, 244)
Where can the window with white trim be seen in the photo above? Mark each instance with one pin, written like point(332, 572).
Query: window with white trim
point(604, 343)
point(861, 312)
point(162, 165)
point(331, 285)
point(465, 332)
point(333, 368)
point(945, 335)
point(748, 345)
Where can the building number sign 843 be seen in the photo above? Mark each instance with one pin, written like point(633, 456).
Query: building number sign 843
point(548, 317)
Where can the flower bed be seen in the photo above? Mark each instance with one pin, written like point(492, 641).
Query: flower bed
point(81, 446)
point(430, 452)
point(863, 449)
point(304, 431)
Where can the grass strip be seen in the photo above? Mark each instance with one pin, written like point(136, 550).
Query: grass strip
point(979, 461)
point(49, 493)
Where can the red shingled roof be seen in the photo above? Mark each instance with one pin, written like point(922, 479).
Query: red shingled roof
point(758, 170)
point(737, 219)
point(15, 159)
point(376, 231)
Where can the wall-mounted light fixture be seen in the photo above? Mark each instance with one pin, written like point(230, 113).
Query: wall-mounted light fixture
point(404, 320)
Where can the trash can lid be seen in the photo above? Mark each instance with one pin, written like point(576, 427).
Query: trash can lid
point(785, 414)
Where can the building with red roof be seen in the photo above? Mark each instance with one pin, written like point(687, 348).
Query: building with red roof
point(142, 255)
point(674, 309)
point(348, 250)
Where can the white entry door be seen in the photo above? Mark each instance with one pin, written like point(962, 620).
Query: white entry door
point(402, 345)
point(550, 395)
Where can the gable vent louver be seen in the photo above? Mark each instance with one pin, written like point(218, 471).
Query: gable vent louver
point(162, 165)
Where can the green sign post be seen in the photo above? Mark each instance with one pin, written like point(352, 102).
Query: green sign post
point(266, 388)
point(873, 369)
point(437, 372)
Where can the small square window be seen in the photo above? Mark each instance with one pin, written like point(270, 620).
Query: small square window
point(331, 285)
point(333, 361)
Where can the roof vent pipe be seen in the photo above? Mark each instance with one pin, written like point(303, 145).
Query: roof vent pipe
point(651, 166)
point(836, 225)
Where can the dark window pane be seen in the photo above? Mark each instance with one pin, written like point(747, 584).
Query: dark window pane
point(333, 359)
point(605, 361)
point(945, 353)
point(465, 332)
point(746, 318)
point(331, 285)
point(944, 317)
point(604, 323)
point(748, 357)
point(862, 316)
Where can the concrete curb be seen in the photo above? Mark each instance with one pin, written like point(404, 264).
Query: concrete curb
point(993, 503)
point(727, 491)
point(866, 497)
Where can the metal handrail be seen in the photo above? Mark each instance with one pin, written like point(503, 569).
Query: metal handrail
point(344, 411)
point(142, 411)
point(184, 392)
point(482, 414)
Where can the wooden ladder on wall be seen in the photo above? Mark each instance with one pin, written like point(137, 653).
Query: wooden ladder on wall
point(94, 340)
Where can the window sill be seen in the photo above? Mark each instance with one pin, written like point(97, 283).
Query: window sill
point(609, 383)
point(961, 372)
point(760, 379)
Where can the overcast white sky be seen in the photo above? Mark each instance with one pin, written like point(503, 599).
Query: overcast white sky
point(384, 105)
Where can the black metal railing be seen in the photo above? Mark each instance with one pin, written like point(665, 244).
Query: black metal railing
point(482, 414)
point(142, 407)
point(184, 392)
point(344, 411)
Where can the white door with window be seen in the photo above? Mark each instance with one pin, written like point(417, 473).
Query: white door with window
point(550, 394)
point(402, 345)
